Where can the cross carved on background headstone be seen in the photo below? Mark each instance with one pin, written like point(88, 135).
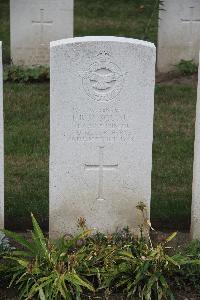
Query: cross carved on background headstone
point(42, 23)
point(191, 21)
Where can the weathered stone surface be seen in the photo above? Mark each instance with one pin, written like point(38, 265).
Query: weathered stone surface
point(102, 104)
point(34, 24)
point(179, 33)
point(195, 217)
point(1, 146)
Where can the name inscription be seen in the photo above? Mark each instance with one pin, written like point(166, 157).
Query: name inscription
point(105, 125)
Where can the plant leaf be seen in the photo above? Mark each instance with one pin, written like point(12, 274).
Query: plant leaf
point(41, 294)
point(171, 237)
point(39, 237)
point(19, 239)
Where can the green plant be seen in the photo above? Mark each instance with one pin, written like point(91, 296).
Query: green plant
point(143, 272)
point(77, 267)
point(48, 270)
point(187, 67)
point(22, 74)
point(98, 252)
point(189, 275)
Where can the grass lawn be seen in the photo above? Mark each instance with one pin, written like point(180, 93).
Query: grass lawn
point(173, 156)
point(5, 29)
point(26, 108)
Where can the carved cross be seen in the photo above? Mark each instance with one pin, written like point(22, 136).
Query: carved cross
point(191, 21)
point(42, 23)
point(101, 167)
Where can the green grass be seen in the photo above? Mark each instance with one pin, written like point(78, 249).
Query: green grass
point(173, 155)
point(26, 110)
point(5, 29)
point(128, 18)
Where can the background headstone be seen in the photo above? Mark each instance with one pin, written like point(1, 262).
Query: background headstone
point(34, 24)
point(1, 145)
point(195, 217)
point(102, 104)
point(178, 33)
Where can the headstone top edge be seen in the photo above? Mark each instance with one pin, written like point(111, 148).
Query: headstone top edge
point(101, 39)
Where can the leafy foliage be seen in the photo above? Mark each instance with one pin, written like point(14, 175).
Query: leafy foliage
point(48, 270)
point(22, 74)
point(189, 275)
point(187, 67)
point(143, 272)
point(75, 267)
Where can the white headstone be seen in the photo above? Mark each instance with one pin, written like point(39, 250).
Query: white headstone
point(102, 105)
point(195, 217)
point(1, 145)
point(179, 33)
point(34, 24)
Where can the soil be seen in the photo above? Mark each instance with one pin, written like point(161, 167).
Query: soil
point(7, 294)
point(189, 296)
point(179, 241)
point(174, 78)
point(11, 295)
